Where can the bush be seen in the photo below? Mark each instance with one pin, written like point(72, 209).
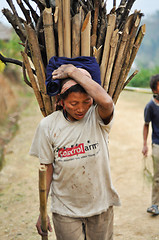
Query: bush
point(11, 49)
point(142, 79)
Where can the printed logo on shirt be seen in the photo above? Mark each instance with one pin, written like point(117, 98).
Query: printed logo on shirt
point(71, 151)
point(76, 150)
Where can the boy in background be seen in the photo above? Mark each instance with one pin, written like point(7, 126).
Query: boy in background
point(151, 114)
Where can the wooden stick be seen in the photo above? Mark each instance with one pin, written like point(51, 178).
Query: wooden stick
point(120, 11)
point(39, 67)
point(138, 40)
point(97, 53)
point(129, 47)
point(130, 78)
point(25, 76)
point(74, 7)
point(60, 28)
point(17, 19)
point(125, 14)
point(85, 36)
point(116, 95)
point(95, 20)
point(46, 97)
point(34, 83)
point(126, 70)
point(118, 63)
point(67, 28)
point(43, 200)
point(89, 5)
point(10, 60)
point(47, 2)
point(12, 20)
point(33, 13)
point(36, 56)
point(103, 26)
point(114, 3)
point(106, 50)
point(97, 40)
point(76, 34)
point(82, 16)
point(25, 11)
point(95, 24)
point(40, 5)
point(130, 21)
point(131, 58)
point(49, 33)
point(113, 47)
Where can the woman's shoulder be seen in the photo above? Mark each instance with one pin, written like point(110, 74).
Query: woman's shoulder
point(51, 118)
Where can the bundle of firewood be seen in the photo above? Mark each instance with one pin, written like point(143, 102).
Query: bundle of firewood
point(73, 28)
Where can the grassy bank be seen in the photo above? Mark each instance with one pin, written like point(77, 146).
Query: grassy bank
point(11, 107)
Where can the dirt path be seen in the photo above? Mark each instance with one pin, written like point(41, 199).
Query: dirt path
point(19, 178)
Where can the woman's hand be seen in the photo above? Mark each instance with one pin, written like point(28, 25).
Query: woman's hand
point(39, 229)
point(63, 72)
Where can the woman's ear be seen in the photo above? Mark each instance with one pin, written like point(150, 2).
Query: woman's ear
point(58, 102)
point(62, 104)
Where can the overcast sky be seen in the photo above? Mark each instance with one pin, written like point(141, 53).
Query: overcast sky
point(146, 6)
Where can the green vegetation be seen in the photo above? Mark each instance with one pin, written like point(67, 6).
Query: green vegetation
point(12, 47)
point(142, 79)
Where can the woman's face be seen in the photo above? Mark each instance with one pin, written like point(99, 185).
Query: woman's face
point(77, 105)
point(158, 87)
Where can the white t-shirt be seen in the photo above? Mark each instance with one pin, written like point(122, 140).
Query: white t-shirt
point(81, 185)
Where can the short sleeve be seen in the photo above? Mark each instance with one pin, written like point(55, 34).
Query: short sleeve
point(106, 127)
point(147, 114)
point(42, 146)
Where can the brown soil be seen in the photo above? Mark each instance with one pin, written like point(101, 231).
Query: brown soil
point(19, 177)
point(7, 97)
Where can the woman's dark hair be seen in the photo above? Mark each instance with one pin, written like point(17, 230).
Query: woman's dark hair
point(75, 88)
point(153, 82)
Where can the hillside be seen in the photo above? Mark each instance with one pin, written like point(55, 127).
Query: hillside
point(148, 53)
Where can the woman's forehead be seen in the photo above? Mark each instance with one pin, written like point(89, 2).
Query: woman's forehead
point(78, 96)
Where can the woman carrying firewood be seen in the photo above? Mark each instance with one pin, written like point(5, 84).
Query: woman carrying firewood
point(72, 143)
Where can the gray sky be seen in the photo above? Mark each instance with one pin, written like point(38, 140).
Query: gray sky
point(146, 6)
